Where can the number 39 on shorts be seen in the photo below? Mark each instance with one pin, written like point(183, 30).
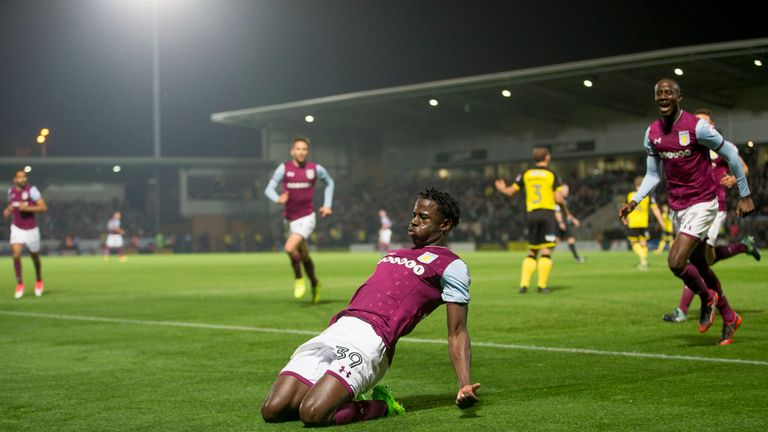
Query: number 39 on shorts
point(355, 359)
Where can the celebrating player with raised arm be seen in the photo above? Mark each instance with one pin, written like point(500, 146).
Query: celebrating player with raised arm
point(679, 142)
point(320, 382)
point(715, 253)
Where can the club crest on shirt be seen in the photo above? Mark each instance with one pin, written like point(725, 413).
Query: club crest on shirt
point(713, 155)
point(25, 195)
point(310, 174)
point(684, 138)
point(427, 257)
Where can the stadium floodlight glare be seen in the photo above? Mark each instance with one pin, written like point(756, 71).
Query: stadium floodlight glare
point(750, 144)
point(433, 102)
point(27, 169)
point(117, 169)
point(44, 131)
point(758, 62)
point(309, 119)
point(40, 139)
point(678, 72)
point(506, 93)
point(443, 173)
point(588, 83)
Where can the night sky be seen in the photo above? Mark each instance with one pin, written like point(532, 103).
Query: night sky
point(84, 67)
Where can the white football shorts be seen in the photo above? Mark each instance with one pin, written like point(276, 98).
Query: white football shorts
point(114, 241)
point(28, 237)
point(385, 236)
point(349, 350)
point(695, 220)
point(303, 226)
point(714, 230)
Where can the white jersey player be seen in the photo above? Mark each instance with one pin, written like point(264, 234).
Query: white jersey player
point(114, 238)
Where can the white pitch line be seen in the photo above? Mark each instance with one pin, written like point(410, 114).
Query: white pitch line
point(407, 339)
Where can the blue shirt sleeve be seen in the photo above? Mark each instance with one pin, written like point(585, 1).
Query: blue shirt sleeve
point(455, 282)
point(323, 175)
point(707, 135)
point(647, 143)
point(34, 193)
point(730, 153)
point(652, 170)
point(651, 179)
point(277, 178)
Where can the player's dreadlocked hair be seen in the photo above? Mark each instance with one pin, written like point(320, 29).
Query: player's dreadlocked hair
point(446, 205)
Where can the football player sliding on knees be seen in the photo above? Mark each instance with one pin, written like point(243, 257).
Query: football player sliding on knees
point(327, 379)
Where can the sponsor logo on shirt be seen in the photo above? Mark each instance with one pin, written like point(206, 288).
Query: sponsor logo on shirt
point(411, 264)
point(684, 138)
point(427, 257)
point(657, 140)
point(676, 154)
point(310, 174)
point(298, 185)
point(290, 174)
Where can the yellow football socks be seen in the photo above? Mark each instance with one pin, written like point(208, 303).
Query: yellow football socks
point(545, 266)
point(529, 266)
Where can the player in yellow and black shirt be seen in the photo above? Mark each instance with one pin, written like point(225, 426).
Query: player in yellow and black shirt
point(667, 236)
point(542, 191)
point(637, 222)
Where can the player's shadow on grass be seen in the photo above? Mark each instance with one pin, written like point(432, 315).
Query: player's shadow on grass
point(750, 311)
point(556, 288)
point(697, 340)
point(326, 302)
point(420, 402)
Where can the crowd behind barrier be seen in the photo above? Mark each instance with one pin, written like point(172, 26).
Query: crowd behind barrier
point(488, 217)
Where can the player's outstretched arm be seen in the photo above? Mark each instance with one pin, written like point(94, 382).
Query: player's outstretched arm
point(575, 221)
point(729, 181)
point(38, 207)
point(626, 209)
point(502, 187)
point(460, 349)
point(271, 190)
point(657, 213)
point(323, 175)
point(325, 211)
point(559, 219)
point(745, 206)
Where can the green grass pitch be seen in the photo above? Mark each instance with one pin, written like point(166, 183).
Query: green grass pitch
point(108, 348)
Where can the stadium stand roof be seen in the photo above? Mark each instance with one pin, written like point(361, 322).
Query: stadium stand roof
point(718, 74)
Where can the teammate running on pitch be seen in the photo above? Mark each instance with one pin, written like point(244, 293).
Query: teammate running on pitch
point(298, 177)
